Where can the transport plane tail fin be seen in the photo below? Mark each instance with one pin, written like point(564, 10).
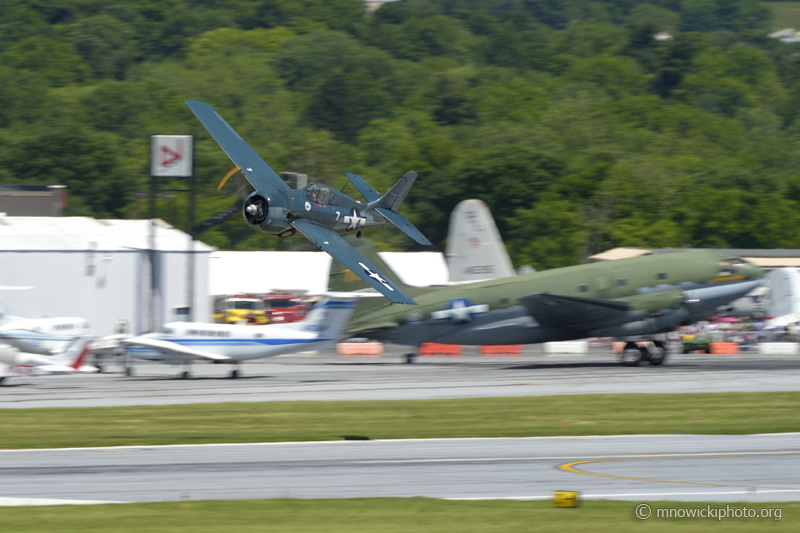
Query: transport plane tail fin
point(475, 250)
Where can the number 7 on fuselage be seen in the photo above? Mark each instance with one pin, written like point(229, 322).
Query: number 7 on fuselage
point(317, 211)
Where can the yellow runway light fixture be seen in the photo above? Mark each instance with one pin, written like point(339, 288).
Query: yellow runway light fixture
point(565, 498)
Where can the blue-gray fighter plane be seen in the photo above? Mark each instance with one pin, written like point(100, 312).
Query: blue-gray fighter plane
point(316, 211)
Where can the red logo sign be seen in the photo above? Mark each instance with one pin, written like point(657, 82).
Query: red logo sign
point(169, 157)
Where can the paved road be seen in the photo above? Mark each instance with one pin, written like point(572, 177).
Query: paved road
point(639, 468)
point(328, 377)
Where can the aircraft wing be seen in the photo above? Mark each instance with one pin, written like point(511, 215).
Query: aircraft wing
point(255, 169)
point(363, 187)
point(404, 225)
point(340, 249)
point(173, 348)
point(553, 310)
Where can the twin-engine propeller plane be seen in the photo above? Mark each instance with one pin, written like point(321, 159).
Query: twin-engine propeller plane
point(316, 211)
point(181, 343)
point(645, 296)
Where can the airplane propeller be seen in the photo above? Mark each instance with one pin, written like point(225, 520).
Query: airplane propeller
point(255, 209)
point(227, 177)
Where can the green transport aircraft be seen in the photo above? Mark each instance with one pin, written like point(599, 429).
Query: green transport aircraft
point(644, 296)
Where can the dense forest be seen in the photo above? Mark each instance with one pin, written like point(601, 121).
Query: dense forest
point(579, 128)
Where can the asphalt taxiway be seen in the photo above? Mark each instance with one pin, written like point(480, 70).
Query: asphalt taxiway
point(329, 377)
point(641, 468)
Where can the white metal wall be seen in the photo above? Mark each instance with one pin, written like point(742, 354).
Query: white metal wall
point(103, 287)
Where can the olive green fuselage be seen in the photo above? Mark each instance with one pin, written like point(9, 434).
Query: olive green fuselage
point(495, 313)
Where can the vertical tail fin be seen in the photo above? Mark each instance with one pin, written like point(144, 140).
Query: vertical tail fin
point(328, 318)
point(475, 250)
point(388, 204)
point(393, 199)
point(75, 354)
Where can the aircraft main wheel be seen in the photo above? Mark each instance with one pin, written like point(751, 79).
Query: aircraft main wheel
point(186, 375)
point(410, 358)
point(234, 374)
point(631, 354)
point(2, 379)
point(129, 371)
point(657, 352)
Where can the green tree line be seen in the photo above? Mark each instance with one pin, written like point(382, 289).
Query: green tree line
point(578, 128)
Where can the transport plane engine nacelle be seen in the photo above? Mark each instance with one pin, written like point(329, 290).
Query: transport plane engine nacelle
point(267, 212)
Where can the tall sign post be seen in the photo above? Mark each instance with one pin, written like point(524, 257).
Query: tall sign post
point(171, 156)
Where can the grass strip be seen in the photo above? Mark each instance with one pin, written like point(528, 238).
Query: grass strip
point(380, 514)
point(596, 414)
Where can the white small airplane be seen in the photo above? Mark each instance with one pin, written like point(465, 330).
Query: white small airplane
point(44, 336)
point(181, 343)
point(14, 362)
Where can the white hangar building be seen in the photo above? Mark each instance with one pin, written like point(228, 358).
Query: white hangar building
point(262, 272)
point(99, 270)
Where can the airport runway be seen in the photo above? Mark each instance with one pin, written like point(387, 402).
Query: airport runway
point(648, 467)
point(328, 377)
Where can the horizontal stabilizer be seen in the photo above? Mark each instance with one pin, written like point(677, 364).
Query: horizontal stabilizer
point(363, 187)
point(173, 348)
point(404, 225)
point(553, 310)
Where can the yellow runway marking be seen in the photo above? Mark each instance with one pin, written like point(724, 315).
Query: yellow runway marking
point(570, 467)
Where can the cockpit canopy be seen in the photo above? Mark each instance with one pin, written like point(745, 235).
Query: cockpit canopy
point(319, 193)
point(727, 267)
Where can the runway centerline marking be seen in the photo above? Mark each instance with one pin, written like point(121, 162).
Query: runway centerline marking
point(570, 467)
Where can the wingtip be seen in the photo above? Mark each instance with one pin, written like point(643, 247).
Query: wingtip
point(402, 299)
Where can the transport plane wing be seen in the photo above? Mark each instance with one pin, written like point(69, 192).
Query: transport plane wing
point(554, 310)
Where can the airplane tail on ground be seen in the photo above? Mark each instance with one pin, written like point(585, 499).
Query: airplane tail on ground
point(475, 251)
point(388, 204)
point(74, 356)
point(328, 318)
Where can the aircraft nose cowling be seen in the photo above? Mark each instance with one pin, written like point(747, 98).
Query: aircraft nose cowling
point(750, 271)
point(266, 211)
point(709, 298)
